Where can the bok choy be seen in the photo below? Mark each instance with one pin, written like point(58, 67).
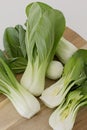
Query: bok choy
point(14, 41)
point(65, 50)
point(15, 49)
point(63, 118)
point(74, 74)
point(44, 28)
point(24, 102)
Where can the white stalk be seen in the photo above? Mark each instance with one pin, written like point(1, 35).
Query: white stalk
point(26, 79)
point(57, 122)
point(53, 95)
point(34, 78)
point(64, 116)
point(65, 50)
point(24, 102)
point(56, 93)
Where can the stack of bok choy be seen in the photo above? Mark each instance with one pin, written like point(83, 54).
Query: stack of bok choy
point(31, 50)
point(17, 60)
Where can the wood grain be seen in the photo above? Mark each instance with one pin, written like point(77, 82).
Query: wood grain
point(11, 120)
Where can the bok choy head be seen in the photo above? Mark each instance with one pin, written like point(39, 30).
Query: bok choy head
point(24, 102)
point(74, 74)
point(15, 49)
point(63, 118)
point(44, 28)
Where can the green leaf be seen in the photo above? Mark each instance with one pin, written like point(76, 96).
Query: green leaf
point(21, 36)
point(45, 26)
point(83, 88)
point(3, 56)
point(18, 65)
point(14, 41)
point(42, 5)
point(11, 42)
point(6, 73)
point(74, 68)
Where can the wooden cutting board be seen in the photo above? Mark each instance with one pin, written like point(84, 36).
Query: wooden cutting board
point(11, 120)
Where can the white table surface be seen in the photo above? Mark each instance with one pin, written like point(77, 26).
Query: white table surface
point(12, 12)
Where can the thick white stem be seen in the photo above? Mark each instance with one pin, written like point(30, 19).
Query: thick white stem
point(65, 50)
point(34, 77)
point(24, 102)
point(53, 95)
point(26, 79)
